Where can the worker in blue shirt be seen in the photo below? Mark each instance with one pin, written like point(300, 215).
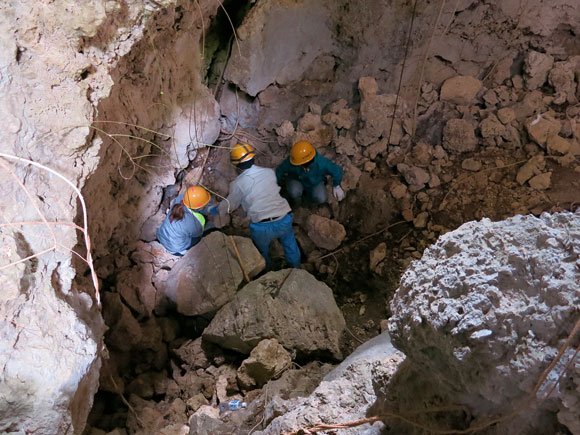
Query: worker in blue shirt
point(305, 171)
point(185, 223)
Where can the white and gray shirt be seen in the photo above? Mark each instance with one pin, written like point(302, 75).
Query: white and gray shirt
point(257, 191)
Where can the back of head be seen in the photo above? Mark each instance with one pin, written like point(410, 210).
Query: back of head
point(302, 152)
point(242, 153)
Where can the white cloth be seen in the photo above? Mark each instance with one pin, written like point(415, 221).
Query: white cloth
point(338, 193)
point(257, 191)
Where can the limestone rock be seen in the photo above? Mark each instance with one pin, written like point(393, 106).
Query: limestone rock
point(537, 66)
point(197, 401)
point(506, 115)
point(345, 145)
point(376, 114)
point(287, 51)
point(266, 360)
point(345, 394)
point(460, 90)
point(561, 77)
point(135, 287)
point(288, 305)
point(340, 116)
point(286, 129)
point(534, 166)
point(377, 255)
point(398, 190)
point(414, 176)
point(421, 220)
point(489, 300)
point(208, 275)
point(541, 182)
point(124, 330)
point(421, 153)
point(471, 165)
point(197, 353)
point(325, 233)
point(541, 127)
point(459, 136)
point(558, 145)
point(491, 126)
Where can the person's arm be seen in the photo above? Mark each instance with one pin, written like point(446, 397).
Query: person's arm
point(281, 171)
point(232, 202)
point(333, 170)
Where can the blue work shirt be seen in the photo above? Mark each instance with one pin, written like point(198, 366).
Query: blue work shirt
point(177, 236)
point(311, 176)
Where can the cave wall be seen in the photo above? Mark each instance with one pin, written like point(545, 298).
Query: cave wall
point(58, 61)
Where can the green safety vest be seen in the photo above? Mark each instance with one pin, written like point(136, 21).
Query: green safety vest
point(199, 216)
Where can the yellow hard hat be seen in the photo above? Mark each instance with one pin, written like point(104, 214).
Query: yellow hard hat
point(302, 152)
point(242, 152)
point(196, 197)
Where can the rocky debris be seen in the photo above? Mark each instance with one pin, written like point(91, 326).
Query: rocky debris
point(561, 77)
point(459, 136)
point(506, 115)
point(398, 190)
point(494, 302)
point(541, 182)
point(537, 65)
point(340, 116)
point(415, 177)
point(135, 287)
point(266, 360)
point(557, 145)
point(311, 129)
point(534, 166)
point(325, 233)
point(471, 165)
point(345, 394)
point(208, 275)
point(460, 90)
point(421, 220)
point(288, 305)
point(376, 114)
point(541, 127)
point(377, 255)
point(198, 354)
point(124, 330)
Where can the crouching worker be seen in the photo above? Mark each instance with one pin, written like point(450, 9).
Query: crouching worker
point(256, 190)
point(305, 171)
point(184, 225)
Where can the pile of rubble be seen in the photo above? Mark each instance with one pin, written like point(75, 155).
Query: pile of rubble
point(253, 336)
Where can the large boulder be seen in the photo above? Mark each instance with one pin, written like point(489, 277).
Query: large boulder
point(289, 305)
point(208, 276)
point(485, 311)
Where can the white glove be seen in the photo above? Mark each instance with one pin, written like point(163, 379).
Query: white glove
point(338, 193)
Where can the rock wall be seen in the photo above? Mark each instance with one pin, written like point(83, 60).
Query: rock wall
point(482, 315)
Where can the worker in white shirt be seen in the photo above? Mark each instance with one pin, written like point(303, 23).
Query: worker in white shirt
point(257, 191)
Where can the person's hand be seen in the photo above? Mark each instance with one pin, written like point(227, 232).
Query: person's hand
point(338, 193)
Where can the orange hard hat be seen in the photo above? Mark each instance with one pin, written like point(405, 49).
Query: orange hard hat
point(302, 152)
point(196, 197)
point(242, 152)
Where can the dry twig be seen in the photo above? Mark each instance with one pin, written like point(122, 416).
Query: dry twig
point(247, 278)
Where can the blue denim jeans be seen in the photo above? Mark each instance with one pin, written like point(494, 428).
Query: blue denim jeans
point(263, 233)
point(318, 193)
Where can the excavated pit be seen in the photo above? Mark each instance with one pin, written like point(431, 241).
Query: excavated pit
point(400, 195)
point(494, 134)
